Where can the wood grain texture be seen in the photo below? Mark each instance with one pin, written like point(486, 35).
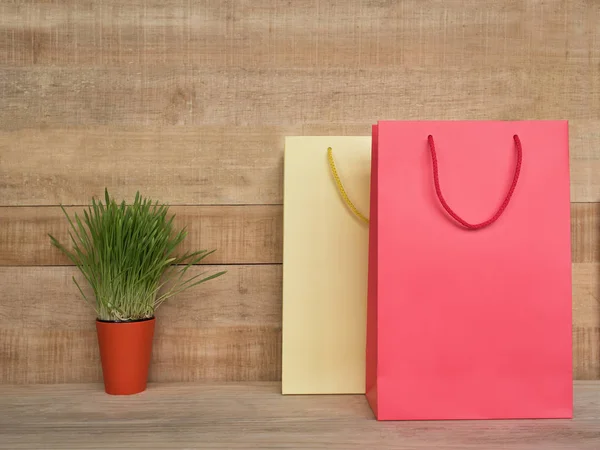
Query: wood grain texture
point(226, 329)
point(302, 33)
point(240, 234)
point(161, 96)
point(195, 165)
point(585, 232)
point(586, 321)
point(256, 415)
point(190, 102)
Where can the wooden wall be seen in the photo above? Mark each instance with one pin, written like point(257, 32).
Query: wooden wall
point(189, 101)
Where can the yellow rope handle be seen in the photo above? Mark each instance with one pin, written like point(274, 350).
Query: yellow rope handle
point(341, 189)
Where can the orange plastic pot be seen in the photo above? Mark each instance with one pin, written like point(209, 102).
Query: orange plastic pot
point(125, 352)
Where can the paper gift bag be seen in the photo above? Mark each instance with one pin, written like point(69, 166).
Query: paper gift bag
point(325, 262)
point(469, 309)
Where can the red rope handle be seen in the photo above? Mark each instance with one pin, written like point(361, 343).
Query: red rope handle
point(438, 190)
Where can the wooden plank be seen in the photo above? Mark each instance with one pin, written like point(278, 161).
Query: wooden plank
point(240, 234)
point(304, 34)
point(586, 321)
point(255, 415)
point(160, 96)
point(584, 148)
point(176, 165)
point(201, 165)
point(194, 165)
point(236, 353)
point(585, 232)
point(227, 329)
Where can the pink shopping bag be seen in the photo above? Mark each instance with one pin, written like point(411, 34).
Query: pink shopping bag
point(469, 304)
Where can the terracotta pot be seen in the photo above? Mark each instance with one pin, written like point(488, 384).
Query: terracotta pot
point(125, 352)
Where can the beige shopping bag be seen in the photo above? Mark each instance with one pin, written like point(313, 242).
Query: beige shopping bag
point(325, 264)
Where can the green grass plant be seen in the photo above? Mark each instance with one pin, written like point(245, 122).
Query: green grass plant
point(128, 255)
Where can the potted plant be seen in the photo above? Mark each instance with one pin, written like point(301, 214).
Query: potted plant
point(128, 255)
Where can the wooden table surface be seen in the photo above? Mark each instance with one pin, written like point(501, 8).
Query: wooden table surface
point(256, 415)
